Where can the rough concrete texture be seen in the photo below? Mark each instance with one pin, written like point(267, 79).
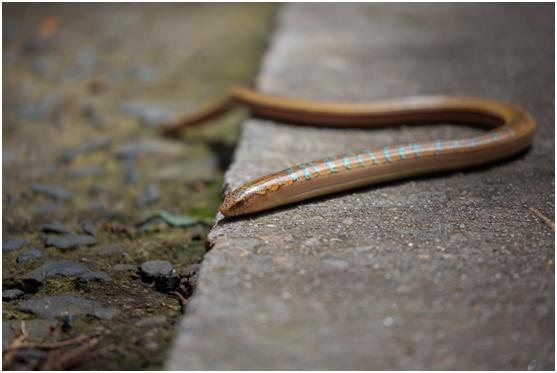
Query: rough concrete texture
point(445, 272)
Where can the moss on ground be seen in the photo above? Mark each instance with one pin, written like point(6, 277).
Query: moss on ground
point(72, 80)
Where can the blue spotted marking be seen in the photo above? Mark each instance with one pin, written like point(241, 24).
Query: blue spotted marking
point(495, 135)
point(346, 163)
point(331, 165)
point(307, 174)
point(387, 154)
point(438, 147)
point(416, 149)
point(455, 144)
point(372, 156)
point(315, 168)
point(361, 161)
point(402, 152)
point(473, 141)
point(292, 174)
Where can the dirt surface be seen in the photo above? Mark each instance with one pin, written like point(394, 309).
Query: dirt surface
point(448, 272)
point(91, 192)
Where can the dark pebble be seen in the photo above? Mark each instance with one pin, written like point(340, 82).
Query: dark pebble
point(129, 169)
point(96, 206)
point(51, 191)
point(13, 244)
point(167, 283)
point(39, 109)
point(197, 234)
point(143, 147)
point(150, 195)
point(85, 171)
point(11, 294)
point(151, 269)
point(65, 268)
point(109, 249)
point(60, 306)
point(86, 148)
point(45, 208)
point(69, 241)
point(29, 255)
point(148, 114)
point(90, 228)
point(54, 227)
point(67, 323)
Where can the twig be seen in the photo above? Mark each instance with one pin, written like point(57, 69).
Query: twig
point(11, 350)
point(182, 300)
point(544, 218)
point(29, 343)
point(62, 360)
point(56, 359)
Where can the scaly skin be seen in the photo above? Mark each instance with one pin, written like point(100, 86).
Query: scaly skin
point(510, 130)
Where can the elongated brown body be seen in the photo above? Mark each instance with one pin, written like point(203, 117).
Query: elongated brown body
point(509, 131)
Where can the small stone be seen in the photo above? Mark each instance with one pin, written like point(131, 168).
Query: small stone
point(29, 255)
point(45, 208)
point(151, 269)
point(11, 294)
point(148, 147)
point(105, 313)
point(150, 195)
point(13, 244)
point(94, 276)
point(85, 171)
point(54, 227)
point(65, 268)
point(109, 249)
point(167, 282)
point(51, 191)
point(36, 329)
point(131, 175)
point(96, 206)
point(90, 228)
point(152, 320)
point(86, 148)
point(67, 323)
point(69, 241)
point(148, 114)
point(60, 306)
point(39, 109)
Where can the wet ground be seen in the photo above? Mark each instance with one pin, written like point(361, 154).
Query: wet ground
point(104, 222)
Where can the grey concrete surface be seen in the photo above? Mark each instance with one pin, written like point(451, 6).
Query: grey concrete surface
point(445, 272)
